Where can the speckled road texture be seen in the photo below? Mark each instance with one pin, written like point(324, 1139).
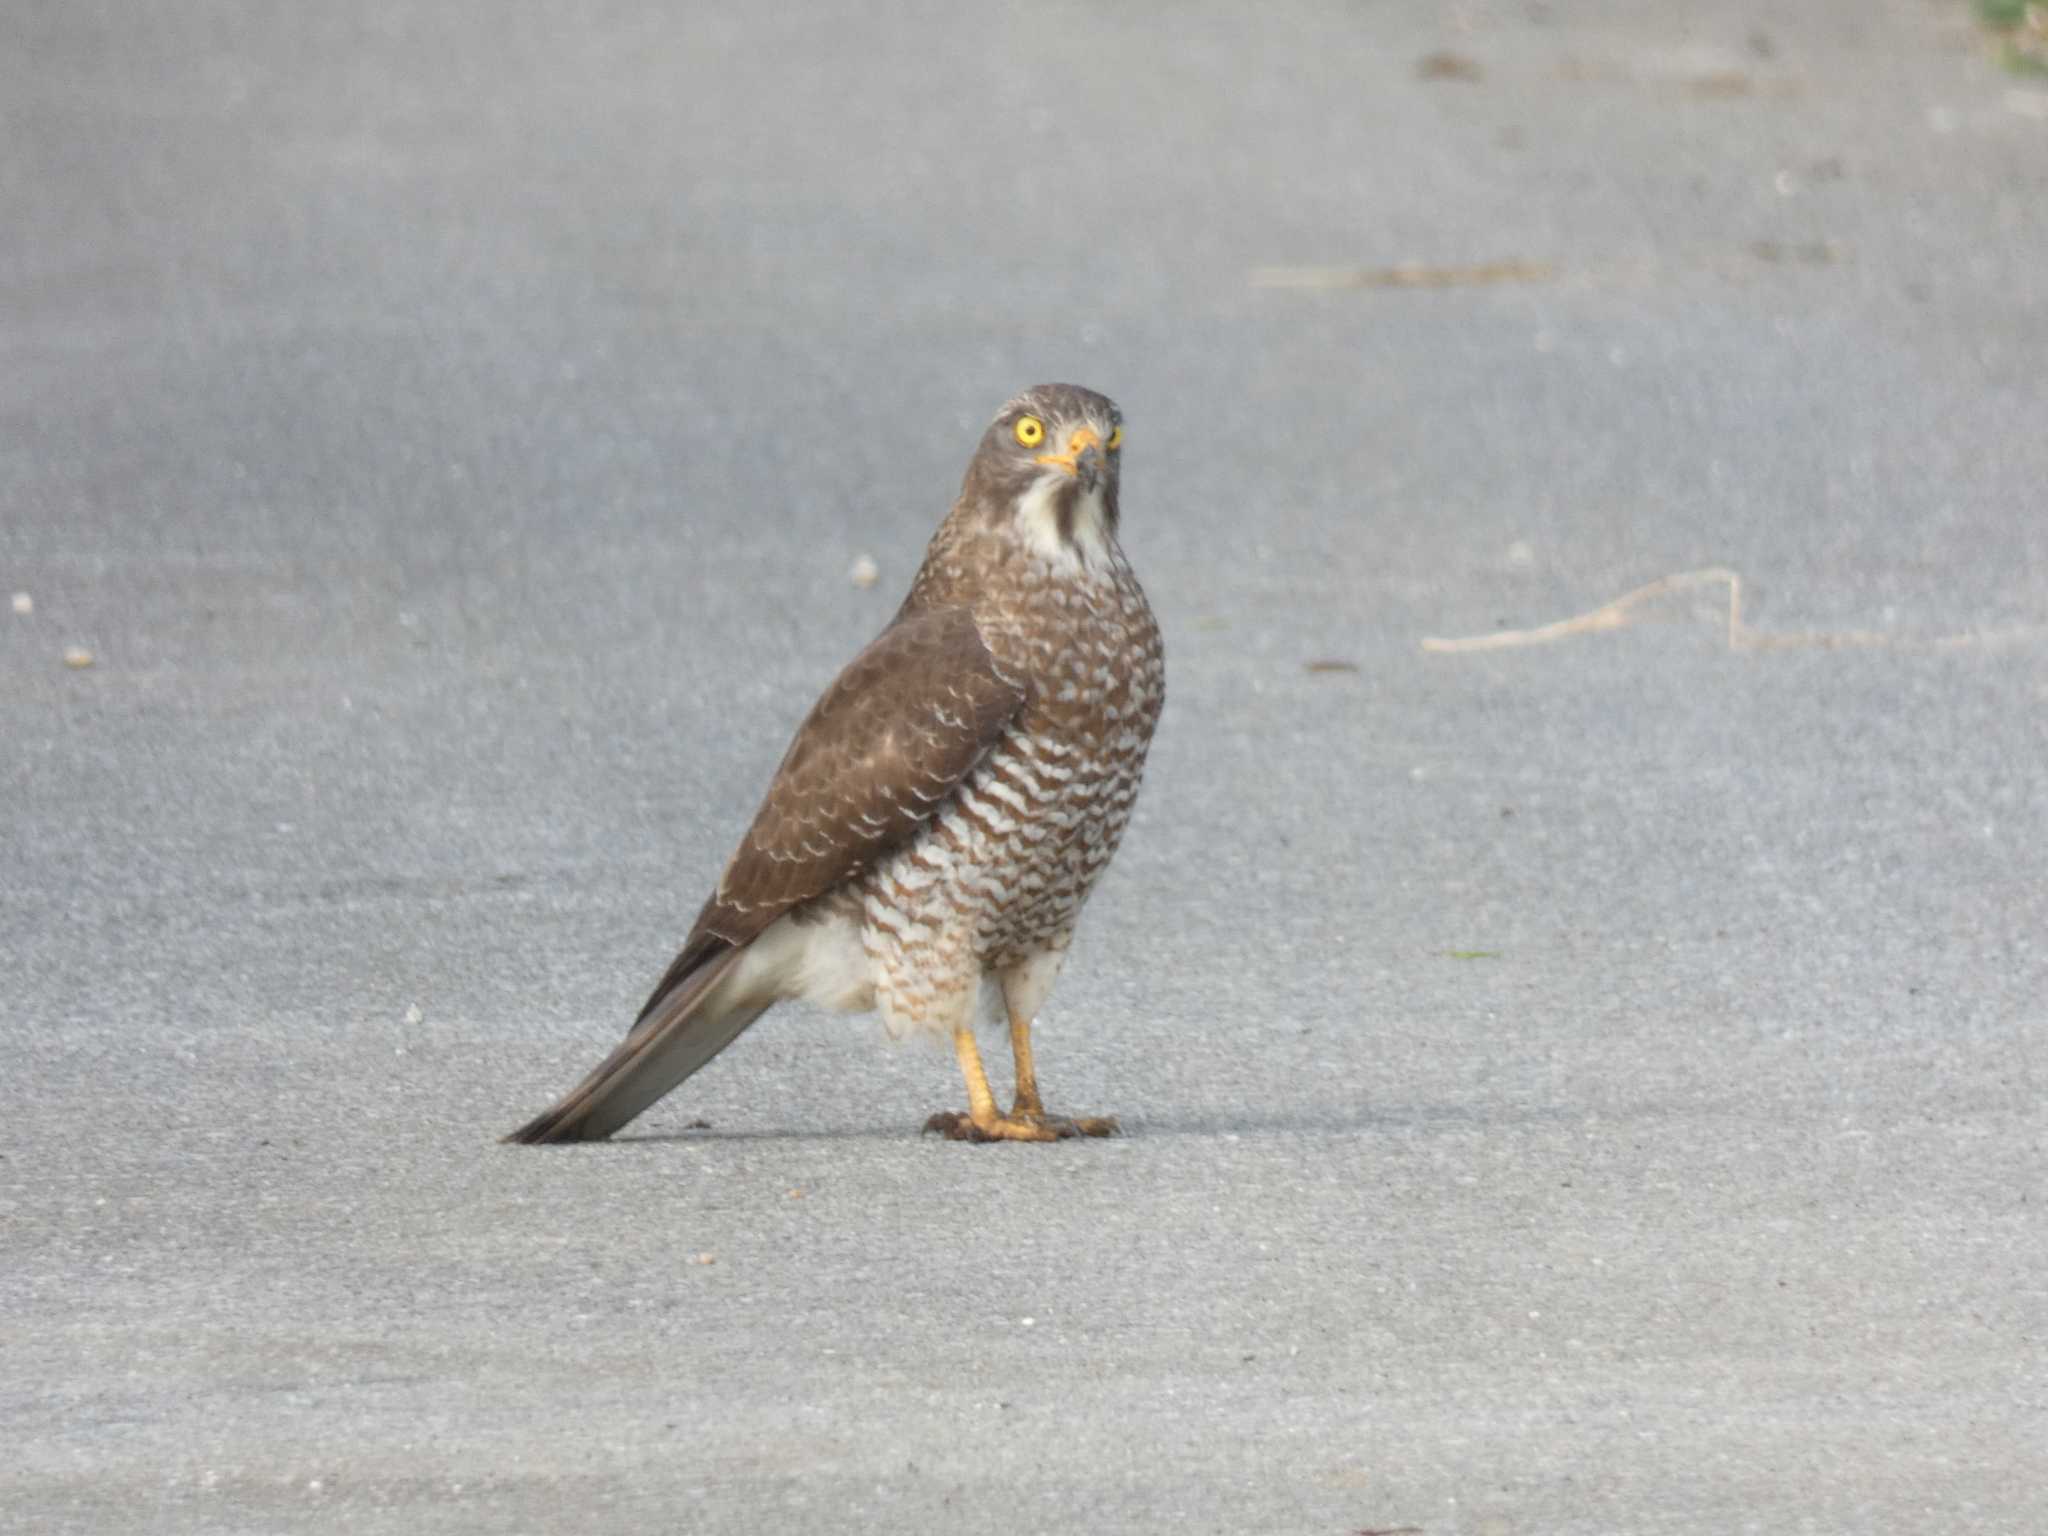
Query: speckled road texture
point(1592, 1086)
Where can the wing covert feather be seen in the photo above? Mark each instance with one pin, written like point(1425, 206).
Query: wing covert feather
point(881, 750)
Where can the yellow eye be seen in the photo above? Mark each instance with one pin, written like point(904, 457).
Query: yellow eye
point(1030, 431)
point(1116, 439)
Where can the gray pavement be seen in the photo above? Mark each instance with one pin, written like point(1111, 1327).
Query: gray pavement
point(1589, 1086)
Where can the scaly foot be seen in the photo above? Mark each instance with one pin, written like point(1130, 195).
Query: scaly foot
point(1079, 1125)
point(1031, 1108)
point(955, 1126)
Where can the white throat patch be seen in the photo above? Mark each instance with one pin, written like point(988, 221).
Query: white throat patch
point(1038, 520)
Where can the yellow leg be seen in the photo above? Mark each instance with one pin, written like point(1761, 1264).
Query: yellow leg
point(1028, 1102)
point(981, 1103)
point(1029, 1107)
point(981, 1122)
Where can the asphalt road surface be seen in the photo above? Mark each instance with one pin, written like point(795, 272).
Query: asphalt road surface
point(1593, 1084)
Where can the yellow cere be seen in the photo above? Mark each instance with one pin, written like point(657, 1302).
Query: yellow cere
point(1030, 431)
point(1116, 439)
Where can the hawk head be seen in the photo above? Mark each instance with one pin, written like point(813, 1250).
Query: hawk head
point(1046, 471)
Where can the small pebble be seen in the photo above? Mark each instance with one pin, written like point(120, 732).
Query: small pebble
point(1448, 66)
point(864, 572)
point(77, 656)
point(23, 603)
point(413, 1014)
point(706, 1258)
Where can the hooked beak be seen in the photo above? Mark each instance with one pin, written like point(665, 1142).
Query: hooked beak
point(1083, 458)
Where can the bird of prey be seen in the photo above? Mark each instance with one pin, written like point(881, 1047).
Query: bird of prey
point(947, 806)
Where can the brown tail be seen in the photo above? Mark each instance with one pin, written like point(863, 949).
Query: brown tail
point(682, 1028)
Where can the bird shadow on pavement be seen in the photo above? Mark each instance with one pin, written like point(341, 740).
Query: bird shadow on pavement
point(1350, 1120)
point(890, 1132)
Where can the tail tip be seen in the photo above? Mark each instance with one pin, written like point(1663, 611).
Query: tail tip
point(552, 1126)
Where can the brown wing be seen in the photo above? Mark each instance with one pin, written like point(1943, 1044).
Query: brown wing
point(882, 749)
